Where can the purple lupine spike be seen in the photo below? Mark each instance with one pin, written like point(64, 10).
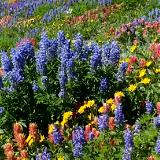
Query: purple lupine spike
point(58, 138)
point(78, 141)
point(96, 56)
point(119, 116)
point(157, 121)
point(157, 148)
point(149, 107)
point(128, 140)
point(102, 122)
point(6, 62)
point(104, 85)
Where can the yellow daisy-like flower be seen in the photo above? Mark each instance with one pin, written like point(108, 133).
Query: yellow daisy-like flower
point(50, 128)
point(132, 87)
point(90, 116)
point(110, 101)
point(90, 103)
point(157, 70)
point(82, 109)
point(145, 81)
point(30, 140)
point(61, 158)
point(133, 48)
point(113, 107)
point(148, 63)
point(119, 94)
point(42, 138)
point(101, 109)
point(67, 115)
point(142, 73)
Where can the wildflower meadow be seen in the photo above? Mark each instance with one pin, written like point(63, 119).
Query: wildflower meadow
point(79, 80)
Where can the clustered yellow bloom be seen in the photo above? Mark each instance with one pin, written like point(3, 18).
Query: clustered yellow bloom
point(89, 104)
point(157, 70)
point(142, 73)
point(145, 81)
point(132, 87)
point(66, 117)
point(133, 48)
point(101, 109)
point(30, 139)
point(110, 101)
point(28, 22)
point(113, 107)
point(42, 138)
point(119, 94)
point(50, 128)
point(60, 158)
point(148, 63)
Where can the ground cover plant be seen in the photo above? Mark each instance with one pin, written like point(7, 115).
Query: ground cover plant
point(80, 80)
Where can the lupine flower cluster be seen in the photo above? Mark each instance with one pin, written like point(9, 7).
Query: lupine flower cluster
point(57, 11)
point(102, 122)
point(121, 72)
point(110, 53)
point(149, 107)
point(104, 84)
point(119, 116)
point(78, 142)
point(45, 155)
point(128, 139)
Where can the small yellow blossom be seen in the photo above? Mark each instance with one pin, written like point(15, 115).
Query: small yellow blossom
point(145, 81)
point(30, 142)
point(113, 107)
point(42, 138)
point(132, 87)
point(82, 109)
point(50, 128)
point(142, 73)
point(29, 138)
point(110, 101)
point(90, 116)
point(61, 158)
point(90, 103)
point(157, 70)
point(119, 94)
point(148, 63)
point(101, 109)
point(133, 48)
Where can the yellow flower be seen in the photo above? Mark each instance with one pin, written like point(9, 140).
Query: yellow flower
point(142, 73)
point(110, 101)
point(90, 103)
point(132, 87)
point(57, 122)
point(61, 158)
point(113, 107)
point(119, 94)
point(101, 109)
point(90, 116)
point(133, 48)
point(157, 70)
point(82, 108)
point(148, 63)
point(67, 115)
point(29, 138)
point(42, 138)
point(50, 128)
point(30, 142)
point(145, 81)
